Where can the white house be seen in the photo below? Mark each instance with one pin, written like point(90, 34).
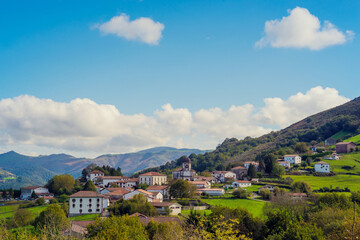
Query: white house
point(212, 191)
point(26, 192)
point(223, 176)
point(285, 164)
point(107, 180)
point(247, 164)
point(151, 196)
point(117, 194)
point(94, 174)
point(153, 178)
point(200, 184)
point(175, 208)
point(163, 189)
point(87, 202)
point(293, 159)
point(242, 184)
point(132, 182)
point(322, 167)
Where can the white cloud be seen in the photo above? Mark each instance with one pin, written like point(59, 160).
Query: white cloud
point(301, 29)
point(142, 29)
point(85, 126)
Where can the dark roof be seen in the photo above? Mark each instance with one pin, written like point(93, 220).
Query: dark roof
point(86, 194)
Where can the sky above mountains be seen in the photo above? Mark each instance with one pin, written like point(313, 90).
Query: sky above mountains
point(93, 77)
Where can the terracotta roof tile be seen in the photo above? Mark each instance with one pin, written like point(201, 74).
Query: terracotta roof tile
point(86, 194)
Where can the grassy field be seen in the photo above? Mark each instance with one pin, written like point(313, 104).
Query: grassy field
point(253, 188)
point(255, 207)
point(87, 217)
point(34, 210)
point(354, 139)
point(339, 134)
point(9, 208)
point(346, 160)
point(342, 181)
point(187, 212)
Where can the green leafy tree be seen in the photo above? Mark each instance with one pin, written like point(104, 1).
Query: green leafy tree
point(61, 184)
point(120, 228)
point(241, 193)
point(22, 217)
point(270, 162)
point(63, 198)
point(181, 189)
point(301, 147)
point(278, 170)
point(301, 187)
point(40, 201)
point(52, 219)
point(138, 204)
point(252, 171)
point(89, 186)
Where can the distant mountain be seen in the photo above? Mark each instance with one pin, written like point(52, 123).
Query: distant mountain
point(21, 170)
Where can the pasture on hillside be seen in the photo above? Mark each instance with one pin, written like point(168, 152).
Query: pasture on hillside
point(355, 139)
point(255, 207)
point(341, 181)
point(348, 163)
point(9, 214)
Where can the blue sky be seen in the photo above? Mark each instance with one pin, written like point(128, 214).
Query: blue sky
point(205, 59)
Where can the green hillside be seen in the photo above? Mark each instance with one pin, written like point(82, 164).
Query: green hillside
point(348, 164)
point(355, 139)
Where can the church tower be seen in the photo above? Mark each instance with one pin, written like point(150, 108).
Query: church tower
point(186, 164)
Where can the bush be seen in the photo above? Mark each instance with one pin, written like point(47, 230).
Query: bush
point(241, 193)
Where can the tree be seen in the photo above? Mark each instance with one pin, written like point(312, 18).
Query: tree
point(121, 228)
point(22, 217)
point(240, 193)
point(181, 189)
point(11, 193)
point(138, 204)
point(89, 186)
point(252, 171)
point(270, 162)
point(63, 198)
point(4, 195)
point(40, 201)
point(301, 187)
point(278, 170)
point(301, 147)
point(52, 219)
point(61, 184)
point(33, 195)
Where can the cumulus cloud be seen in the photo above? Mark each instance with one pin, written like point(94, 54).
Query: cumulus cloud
point(142, 29)
point(301, 29)
point(84, 125)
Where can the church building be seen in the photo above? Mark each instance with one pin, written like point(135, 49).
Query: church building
point(185, 173)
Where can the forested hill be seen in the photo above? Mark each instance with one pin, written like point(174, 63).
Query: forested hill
point(313, 130)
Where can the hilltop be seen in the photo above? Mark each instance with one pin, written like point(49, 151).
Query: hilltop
point(18, 170)
point(343, 120)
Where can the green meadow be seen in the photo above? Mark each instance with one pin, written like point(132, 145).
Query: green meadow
point(341, 181)
point(355, 139)
point(346, 160)
point(253, 206)
point(7, 212)
point(87, 217)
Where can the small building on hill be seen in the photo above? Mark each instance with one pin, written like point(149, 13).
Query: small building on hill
point(212, 191)
point(200, 184)
point(241, 184)
point(224, 176)
point(163, 189)
point(150, 196)
point(93, 175)
point(106, 181)
point(345, 147)
point(322, 167)
point(283, 163)
point(174, 207)
point(293, 159)
point(87, 202)
point(153, 178)
point(247, 164)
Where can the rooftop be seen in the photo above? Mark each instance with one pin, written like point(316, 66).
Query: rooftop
point(157, 187)
point(96, 171)
point(152, 174)
point(86, 194)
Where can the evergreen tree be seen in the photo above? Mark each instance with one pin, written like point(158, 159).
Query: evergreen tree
point(89, 186)
point(252, 171)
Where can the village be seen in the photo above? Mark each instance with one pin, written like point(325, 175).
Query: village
point(160, 191)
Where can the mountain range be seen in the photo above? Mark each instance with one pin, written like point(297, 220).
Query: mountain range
point(17, 170)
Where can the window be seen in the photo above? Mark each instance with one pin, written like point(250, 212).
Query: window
point(98, 210)
point(74, 200)
point(98, 199)
point(90, 200)
point(90, 210)
point(80, 200)
point(98, 205)
point(73, 205)
point(81, 205)
point(90, 205)
point(80, 211)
